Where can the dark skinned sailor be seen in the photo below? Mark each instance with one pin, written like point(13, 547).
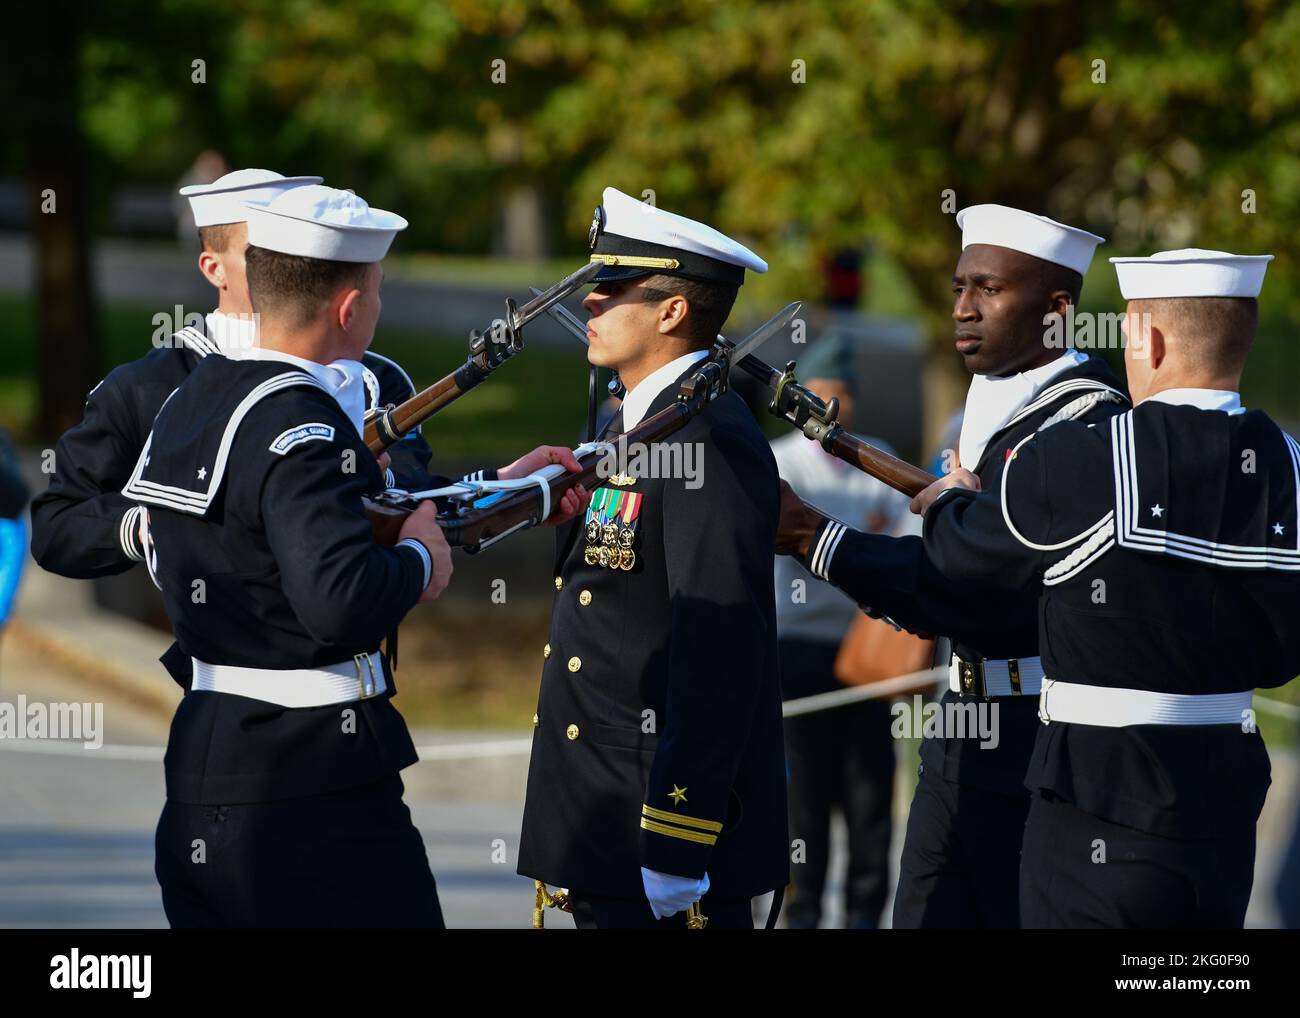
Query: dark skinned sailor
point(1166, 544)
point(1017, 277)
point(657, 777)
point(284, 800)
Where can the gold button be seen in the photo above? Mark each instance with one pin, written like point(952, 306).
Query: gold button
point(559, 583)
point(584, 598)
point(546, 651)
point(571, 732)
point(536, 721)
point(575, 663)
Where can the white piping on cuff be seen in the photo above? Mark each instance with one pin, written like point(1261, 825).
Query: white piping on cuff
point(820, 563)
point(128, 530)
point(411, 542)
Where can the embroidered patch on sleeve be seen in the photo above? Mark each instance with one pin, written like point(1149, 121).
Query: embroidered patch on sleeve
point(302, 433)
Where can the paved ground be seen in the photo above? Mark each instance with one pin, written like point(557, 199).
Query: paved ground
point(76, 828)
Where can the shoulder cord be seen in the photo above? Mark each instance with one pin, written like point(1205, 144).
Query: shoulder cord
point(1076, 408)
point(1083, 552)
point(1006, 512)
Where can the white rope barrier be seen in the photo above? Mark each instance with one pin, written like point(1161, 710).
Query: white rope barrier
point(871, 691)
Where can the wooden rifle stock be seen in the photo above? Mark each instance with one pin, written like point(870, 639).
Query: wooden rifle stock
point(385, 520)
point(898, 474)
point(798, 405)
point(390, 425)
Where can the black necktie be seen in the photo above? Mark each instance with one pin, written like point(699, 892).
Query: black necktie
point(615, 425)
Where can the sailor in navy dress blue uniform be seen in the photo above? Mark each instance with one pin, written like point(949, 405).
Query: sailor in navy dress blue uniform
point(960, 860)
point(82, 525)
point(657, 776)
point(1165, 545)
point(284, 802)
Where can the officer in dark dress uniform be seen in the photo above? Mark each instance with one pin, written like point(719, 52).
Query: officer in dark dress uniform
point(961, 853)
point(657, 777)
point(1166, 543)
point(284, 801)
point(82, 525)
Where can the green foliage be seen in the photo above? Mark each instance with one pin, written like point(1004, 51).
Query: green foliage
point(995, 100)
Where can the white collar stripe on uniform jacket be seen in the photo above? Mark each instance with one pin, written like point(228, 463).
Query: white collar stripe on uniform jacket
point(198, 501)
point(1127, 524)
point(992, 403)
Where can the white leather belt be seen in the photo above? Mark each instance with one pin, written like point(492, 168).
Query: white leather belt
point(360, 678)
point(1021, 676)
point(1119, 708)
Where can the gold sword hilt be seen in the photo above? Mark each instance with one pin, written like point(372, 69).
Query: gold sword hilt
point(544, 900)
point(695, 919)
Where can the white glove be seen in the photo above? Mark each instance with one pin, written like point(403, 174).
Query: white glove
point(669, 894)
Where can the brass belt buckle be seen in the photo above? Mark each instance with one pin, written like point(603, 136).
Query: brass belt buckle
point(972, 677)
point(1013, 673)
point(365, 693)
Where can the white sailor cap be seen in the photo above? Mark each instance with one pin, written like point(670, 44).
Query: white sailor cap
point(1028, 233)
point(1191, 272)
point(323, 222)
point(224, 200)
point(634, 239)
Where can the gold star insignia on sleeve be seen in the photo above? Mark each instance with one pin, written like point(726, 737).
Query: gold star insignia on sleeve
point(678, 795)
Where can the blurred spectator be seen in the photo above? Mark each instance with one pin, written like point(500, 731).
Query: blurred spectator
point(842, 273)
point(209, 165)
point(841, 758)
point(13, 528)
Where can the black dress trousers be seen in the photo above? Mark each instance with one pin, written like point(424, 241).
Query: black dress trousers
point(961, 857)
point(344, 859)
point(1079, 871)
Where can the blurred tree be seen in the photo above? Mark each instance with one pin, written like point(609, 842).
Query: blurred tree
point(57, 182)
point(802, 125)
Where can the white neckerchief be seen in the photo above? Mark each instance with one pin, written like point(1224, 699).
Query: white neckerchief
point(342, 379)
point(234, 335)
point(637, 402)
point(1227, 400)
point(991, 402)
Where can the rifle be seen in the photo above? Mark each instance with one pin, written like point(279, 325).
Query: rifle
point(477, 515)
point(817, 419)
point(487, 352)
